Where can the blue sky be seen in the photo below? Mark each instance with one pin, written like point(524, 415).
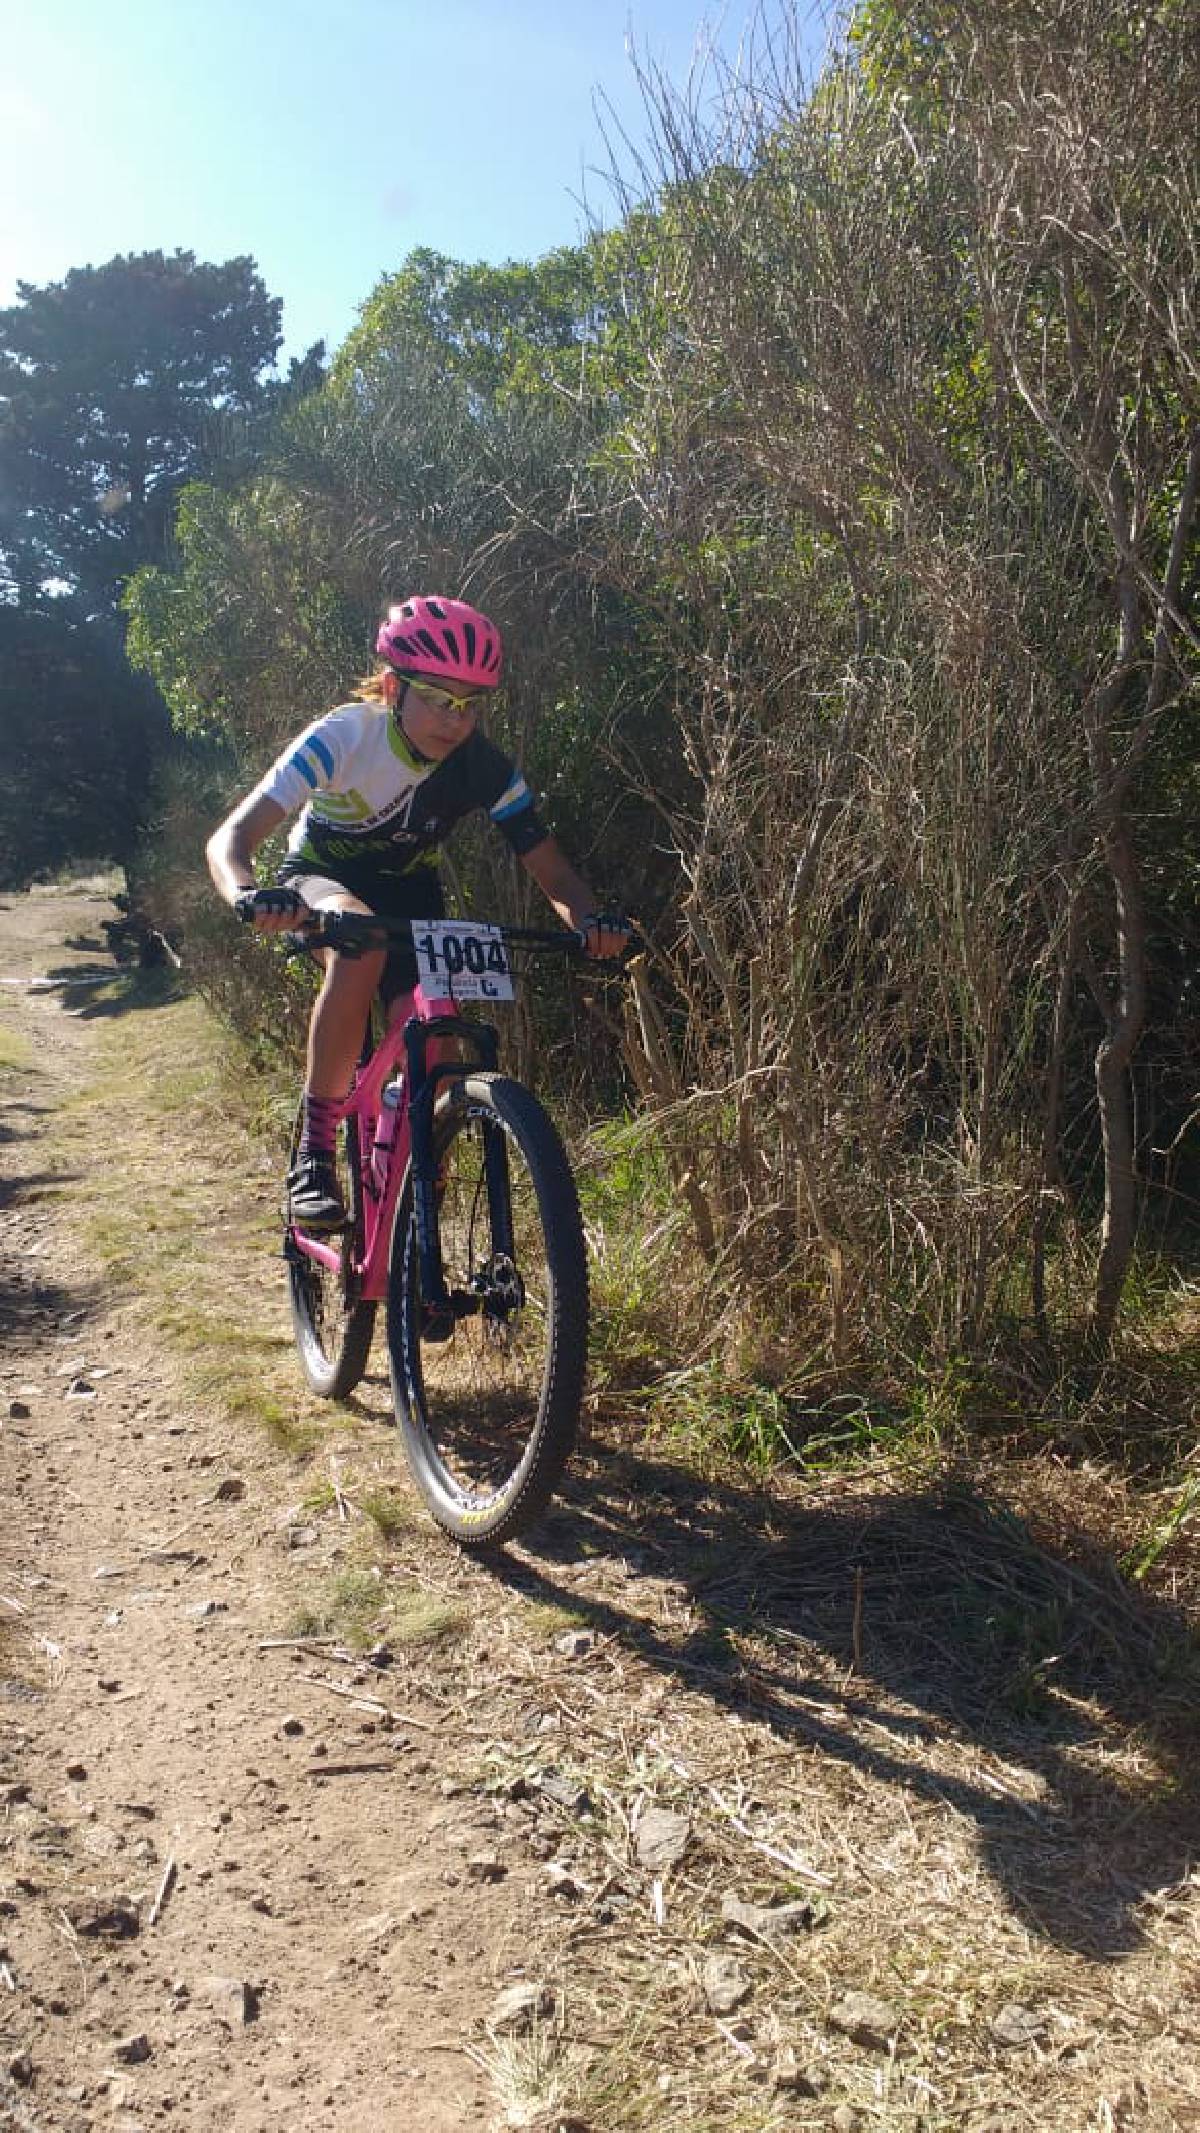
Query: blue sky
point(327, 138)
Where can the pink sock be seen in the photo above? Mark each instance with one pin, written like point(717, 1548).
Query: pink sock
point(318, 1134)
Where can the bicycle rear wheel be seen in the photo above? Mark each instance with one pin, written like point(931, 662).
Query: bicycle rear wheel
point(490, 1415)
point(333, 1327)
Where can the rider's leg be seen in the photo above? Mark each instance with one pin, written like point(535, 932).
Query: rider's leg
point(335, 1036)
point(339, 1016)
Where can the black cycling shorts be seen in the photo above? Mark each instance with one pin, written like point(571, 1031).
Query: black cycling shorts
point(412, 896)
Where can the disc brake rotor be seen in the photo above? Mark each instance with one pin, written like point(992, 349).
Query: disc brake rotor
point(501, 1292)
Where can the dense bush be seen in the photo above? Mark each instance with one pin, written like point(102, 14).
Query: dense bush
point(840, 510)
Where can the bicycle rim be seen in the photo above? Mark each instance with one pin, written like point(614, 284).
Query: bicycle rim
point(490, 1415)
point(332, 1326)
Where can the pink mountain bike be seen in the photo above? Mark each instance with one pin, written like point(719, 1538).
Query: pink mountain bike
point(464, 1221)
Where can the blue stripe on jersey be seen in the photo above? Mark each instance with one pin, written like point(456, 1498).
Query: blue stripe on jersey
point(511, 802)
point(323, 752)
point(297, 762)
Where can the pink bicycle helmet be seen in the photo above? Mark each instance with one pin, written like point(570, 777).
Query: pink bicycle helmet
point(442, 638)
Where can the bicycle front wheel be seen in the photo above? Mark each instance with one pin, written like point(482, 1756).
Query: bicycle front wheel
point(491, 1413)
point(332, 1326)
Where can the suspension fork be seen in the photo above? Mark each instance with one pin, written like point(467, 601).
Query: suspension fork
point(495, 1171)
point(441, 1307)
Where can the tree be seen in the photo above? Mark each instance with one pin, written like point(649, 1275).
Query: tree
point(80, 737)
point(494, 327)
point(117, 385)
point(111, 385)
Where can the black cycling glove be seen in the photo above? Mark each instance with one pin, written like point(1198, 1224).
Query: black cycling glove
point(272, 903)
point(608, 920)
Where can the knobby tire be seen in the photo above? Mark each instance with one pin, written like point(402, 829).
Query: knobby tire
point(490, 1417)
point(333, 1332)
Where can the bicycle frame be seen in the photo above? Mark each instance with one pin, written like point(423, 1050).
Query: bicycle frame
point(385, 1153)
point(383, 1161)
point(487, 1345)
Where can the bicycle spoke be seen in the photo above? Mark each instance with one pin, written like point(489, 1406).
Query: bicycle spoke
point(490, 1412)
point(484, 1384)
point(332, 1326)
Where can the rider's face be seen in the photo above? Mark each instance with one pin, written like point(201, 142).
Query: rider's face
point(435, 722)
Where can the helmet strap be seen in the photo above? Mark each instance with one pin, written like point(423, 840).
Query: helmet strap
point(397, 712)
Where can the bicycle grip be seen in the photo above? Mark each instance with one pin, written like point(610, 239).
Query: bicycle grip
point(272, 903)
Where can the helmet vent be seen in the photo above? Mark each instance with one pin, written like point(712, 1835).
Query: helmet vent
point(439, 637)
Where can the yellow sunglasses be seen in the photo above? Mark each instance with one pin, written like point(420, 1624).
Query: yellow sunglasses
point(446, 699)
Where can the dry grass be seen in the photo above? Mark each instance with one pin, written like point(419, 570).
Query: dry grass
point(182, 1205)
point(14, 1053)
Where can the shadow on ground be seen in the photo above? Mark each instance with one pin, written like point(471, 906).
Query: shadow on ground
point(32, 1300)
point(90, 990)
point(17, 1120)
point(33, 1304)
point(26, 1191)
point(894, 1632)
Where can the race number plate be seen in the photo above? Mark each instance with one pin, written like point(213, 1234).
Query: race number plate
point(462, 961)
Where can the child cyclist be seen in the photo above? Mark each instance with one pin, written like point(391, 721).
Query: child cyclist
point(382, 780)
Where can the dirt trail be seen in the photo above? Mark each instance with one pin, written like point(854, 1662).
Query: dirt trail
point(311, 1965)
point(842, 1806)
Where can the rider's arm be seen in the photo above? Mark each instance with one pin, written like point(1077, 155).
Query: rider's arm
point(231, 848)
point(311, 763)
point(576, 904)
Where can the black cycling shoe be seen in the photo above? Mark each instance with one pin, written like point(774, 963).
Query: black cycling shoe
point(314, 1195)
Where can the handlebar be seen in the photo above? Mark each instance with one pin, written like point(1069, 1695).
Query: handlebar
point(351, 933)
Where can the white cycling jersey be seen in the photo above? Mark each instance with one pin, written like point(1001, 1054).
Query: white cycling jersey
point(375, 809)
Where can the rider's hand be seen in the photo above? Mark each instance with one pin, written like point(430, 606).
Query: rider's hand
point(605, 933)
point(276, 910)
